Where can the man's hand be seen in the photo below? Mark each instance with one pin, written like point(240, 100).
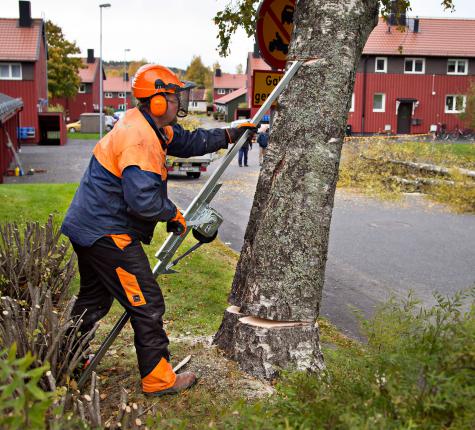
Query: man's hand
point(177, 225)
point(233, 134)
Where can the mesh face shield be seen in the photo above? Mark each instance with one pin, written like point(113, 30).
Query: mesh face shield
point(183, 96)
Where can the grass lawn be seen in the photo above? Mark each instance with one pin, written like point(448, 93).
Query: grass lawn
point(86, 136)
point(463, 151)
point(415, 372)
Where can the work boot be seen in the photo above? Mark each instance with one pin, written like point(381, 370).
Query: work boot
point(183, 381)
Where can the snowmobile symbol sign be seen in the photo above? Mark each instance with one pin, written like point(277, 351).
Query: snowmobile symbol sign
point(275, 21)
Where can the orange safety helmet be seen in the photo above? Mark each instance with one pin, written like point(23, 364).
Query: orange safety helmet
point(153, 79)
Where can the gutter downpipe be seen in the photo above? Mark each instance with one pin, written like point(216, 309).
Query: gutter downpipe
point(365, 69)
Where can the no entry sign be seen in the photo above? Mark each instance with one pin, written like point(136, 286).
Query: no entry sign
point(263, 82)
point(275, 21)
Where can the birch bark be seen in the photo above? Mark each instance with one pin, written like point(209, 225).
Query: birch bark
point(281, 268)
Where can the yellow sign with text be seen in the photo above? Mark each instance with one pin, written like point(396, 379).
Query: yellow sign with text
point(263, 82)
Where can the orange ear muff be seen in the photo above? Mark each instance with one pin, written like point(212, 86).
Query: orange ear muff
point(158, 105)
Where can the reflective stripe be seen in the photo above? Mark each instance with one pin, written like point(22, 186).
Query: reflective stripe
point(131, 287)
point(160, 378)
point(121, 240)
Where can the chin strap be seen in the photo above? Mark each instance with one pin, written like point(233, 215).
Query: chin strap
point(162, 137)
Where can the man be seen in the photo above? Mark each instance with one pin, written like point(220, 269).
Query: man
point(121, 197)
point(243, 151)
point(263, 141)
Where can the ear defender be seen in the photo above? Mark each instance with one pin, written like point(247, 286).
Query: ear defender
point(158, 105)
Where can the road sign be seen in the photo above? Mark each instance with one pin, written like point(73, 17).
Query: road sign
point(263, 83)
point(275, 22)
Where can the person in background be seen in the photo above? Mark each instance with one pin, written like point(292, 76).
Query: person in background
point(263, 141)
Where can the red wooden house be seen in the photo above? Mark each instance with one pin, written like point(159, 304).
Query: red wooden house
point(225, 83)
point(87, 98)
point(118, 93)
point(408, 82)
point(23, 68)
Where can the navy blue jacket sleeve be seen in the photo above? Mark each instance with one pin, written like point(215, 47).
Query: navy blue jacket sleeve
point(198, 142)
point(145, 195)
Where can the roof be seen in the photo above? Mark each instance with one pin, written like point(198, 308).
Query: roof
point(88, 73)
point(20, 43)
point(256, 63)
point(230, 80)
point(231, 96)
point(116, 84)
point(198, 94)
point(8, 105)
point(436, 37)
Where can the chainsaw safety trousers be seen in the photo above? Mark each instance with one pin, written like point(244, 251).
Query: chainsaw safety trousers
point(124, 189)
point(117, 267)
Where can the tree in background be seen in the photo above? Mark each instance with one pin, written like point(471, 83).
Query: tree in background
point(277, 289)
point(468, 117)
point(63, 77)
point(198, 73)
point(239, 69)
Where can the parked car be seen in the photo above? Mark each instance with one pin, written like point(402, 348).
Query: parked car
point(74, 127)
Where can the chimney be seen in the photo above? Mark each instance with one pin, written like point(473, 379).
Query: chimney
point(25, 14)
point(217, 73)
point(256, 53)
point(126, 76)
point(416, 25)
point(90, 56)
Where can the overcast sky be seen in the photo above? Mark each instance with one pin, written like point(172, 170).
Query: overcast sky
point(164, 31)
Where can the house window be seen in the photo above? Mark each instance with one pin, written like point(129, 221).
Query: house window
point(455, 103)
point(122, 107)
point(379, 103)
point(381, 65)
point(121, 95)
point(457, 67)
point(414, 65)
point(221, 91)
point(82, 88)
point(194, 104)
point(352, 107)
point(108, 95)
point(10, 71)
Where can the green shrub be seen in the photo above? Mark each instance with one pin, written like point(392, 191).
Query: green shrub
point(22, 402)
point(416, 371)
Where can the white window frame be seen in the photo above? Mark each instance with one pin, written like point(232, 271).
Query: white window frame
point(122, 107)
point(352, 107)
point(455, 104)
point(10, 77)
point(82, 89)
point(108, 95)
point(383, 109)
point(413, 71)
point(457, 61)
point(221, 91)
point(121, 95)
point(385, 70)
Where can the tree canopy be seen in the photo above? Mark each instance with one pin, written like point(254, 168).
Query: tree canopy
point(198, 73)
point(243, 13)
point(63, 77)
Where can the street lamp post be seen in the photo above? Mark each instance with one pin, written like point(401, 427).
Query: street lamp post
point(125, 78)
point(101, 95)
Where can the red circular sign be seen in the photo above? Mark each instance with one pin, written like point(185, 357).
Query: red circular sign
point(275, 22)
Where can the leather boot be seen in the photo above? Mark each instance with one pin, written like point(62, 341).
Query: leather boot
point(183, 381)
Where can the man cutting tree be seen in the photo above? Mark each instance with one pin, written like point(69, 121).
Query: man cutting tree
point(121, 198)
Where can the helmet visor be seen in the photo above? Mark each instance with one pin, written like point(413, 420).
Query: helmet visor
point(183, 95)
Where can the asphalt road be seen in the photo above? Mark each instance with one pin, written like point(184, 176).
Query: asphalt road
point(377, 249)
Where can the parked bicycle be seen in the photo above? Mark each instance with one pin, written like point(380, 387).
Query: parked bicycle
point(461, 134)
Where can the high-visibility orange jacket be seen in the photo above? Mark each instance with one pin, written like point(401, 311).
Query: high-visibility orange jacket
point(124, 189)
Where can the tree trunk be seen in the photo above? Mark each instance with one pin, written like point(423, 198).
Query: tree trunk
point(281, 269)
